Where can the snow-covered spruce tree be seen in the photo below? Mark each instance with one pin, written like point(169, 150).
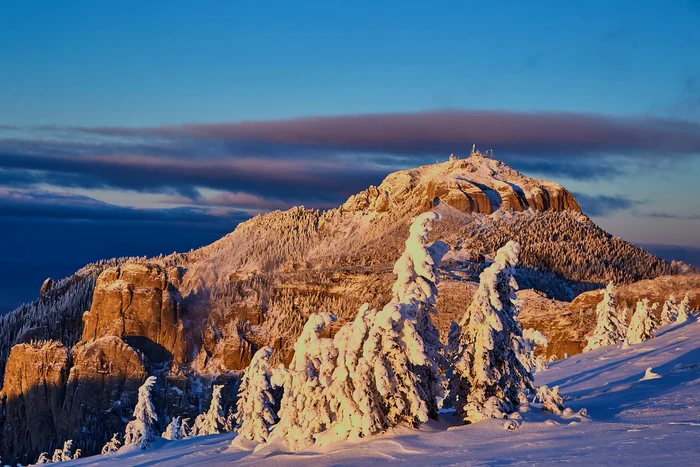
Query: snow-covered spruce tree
point(486, 378)
point(610, 326)
point(174, 430)
point(43, 459)
point(140, 431)
point(394, 349)
point(669, 312)
point(255, 414)
point(416, 285)
point(355, 402)
point(641, 324)
point(304, 410)
point(525, 350)
point(112, 445)
point(683, 310)
point(213, 421)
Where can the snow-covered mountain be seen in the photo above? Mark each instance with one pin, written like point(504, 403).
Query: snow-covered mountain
point(197, 318)
point(634, 417)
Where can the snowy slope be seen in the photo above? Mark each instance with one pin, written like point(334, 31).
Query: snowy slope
point(632, 422)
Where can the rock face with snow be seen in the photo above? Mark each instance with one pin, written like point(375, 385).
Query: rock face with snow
point(138, 302)
point(475, 185)
point(53, 393)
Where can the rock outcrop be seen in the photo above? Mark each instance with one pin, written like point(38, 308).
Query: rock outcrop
point(137, 302)
point(35, 380)
point(46, 286)
point(52, 394)
point(478, 184)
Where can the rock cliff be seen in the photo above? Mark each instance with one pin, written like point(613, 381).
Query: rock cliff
point(137, 302)
point(52, 394)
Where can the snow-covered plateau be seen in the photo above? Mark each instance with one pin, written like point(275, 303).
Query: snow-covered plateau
point(631, 421)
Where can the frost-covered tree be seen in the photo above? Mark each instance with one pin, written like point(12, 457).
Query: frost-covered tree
point(213, 421)
point(487, 379)
point(112, 445)
point(669, 312)
point(174, 430)
point(65, 453)
point(43, 459)
point(394, 349)
point(141, 430)
point(550, 399)
point(525, 347)
point(416, 285)
point(641, 324)
point(304, 410)
point(610, 326)
point(683, 309)
point(255, 415)
point(354, 400)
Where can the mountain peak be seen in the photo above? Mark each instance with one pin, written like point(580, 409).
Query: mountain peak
point(477, 184)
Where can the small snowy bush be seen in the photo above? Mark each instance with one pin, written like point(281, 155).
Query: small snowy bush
point(174, 430)
point(112, 445)
point(550, 399)
point(65, 453)
point(683, 310)
point(669, 312)
point(525, 349)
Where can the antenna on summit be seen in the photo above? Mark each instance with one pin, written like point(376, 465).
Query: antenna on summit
point(474, 149)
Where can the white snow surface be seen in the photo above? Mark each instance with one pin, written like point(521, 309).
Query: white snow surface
point(632, 422)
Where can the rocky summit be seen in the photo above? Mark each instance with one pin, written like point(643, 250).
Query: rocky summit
point(74, 359)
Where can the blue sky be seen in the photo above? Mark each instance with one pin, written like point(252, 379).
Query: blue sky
point(603, 97)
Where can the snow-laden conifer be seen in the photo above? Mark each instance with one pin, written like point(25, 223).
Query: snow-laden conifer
point(683, 309)
point(304, 410)
point(355, 402)
point(416, 285)
point(394, 349)
point(255, 415)
point(486, 379)
point(550, 399)
point(43, 459)
point(641, 324)
point(610, 325)
point(141, 430)
point(213, 420)
point(112, 445)
point(669, 312)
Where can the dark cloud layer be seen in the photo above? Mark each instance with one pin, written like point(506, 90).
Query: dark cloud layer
point(294, 181)
point(602, 205)
point(538, 133)
point(16, 204)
